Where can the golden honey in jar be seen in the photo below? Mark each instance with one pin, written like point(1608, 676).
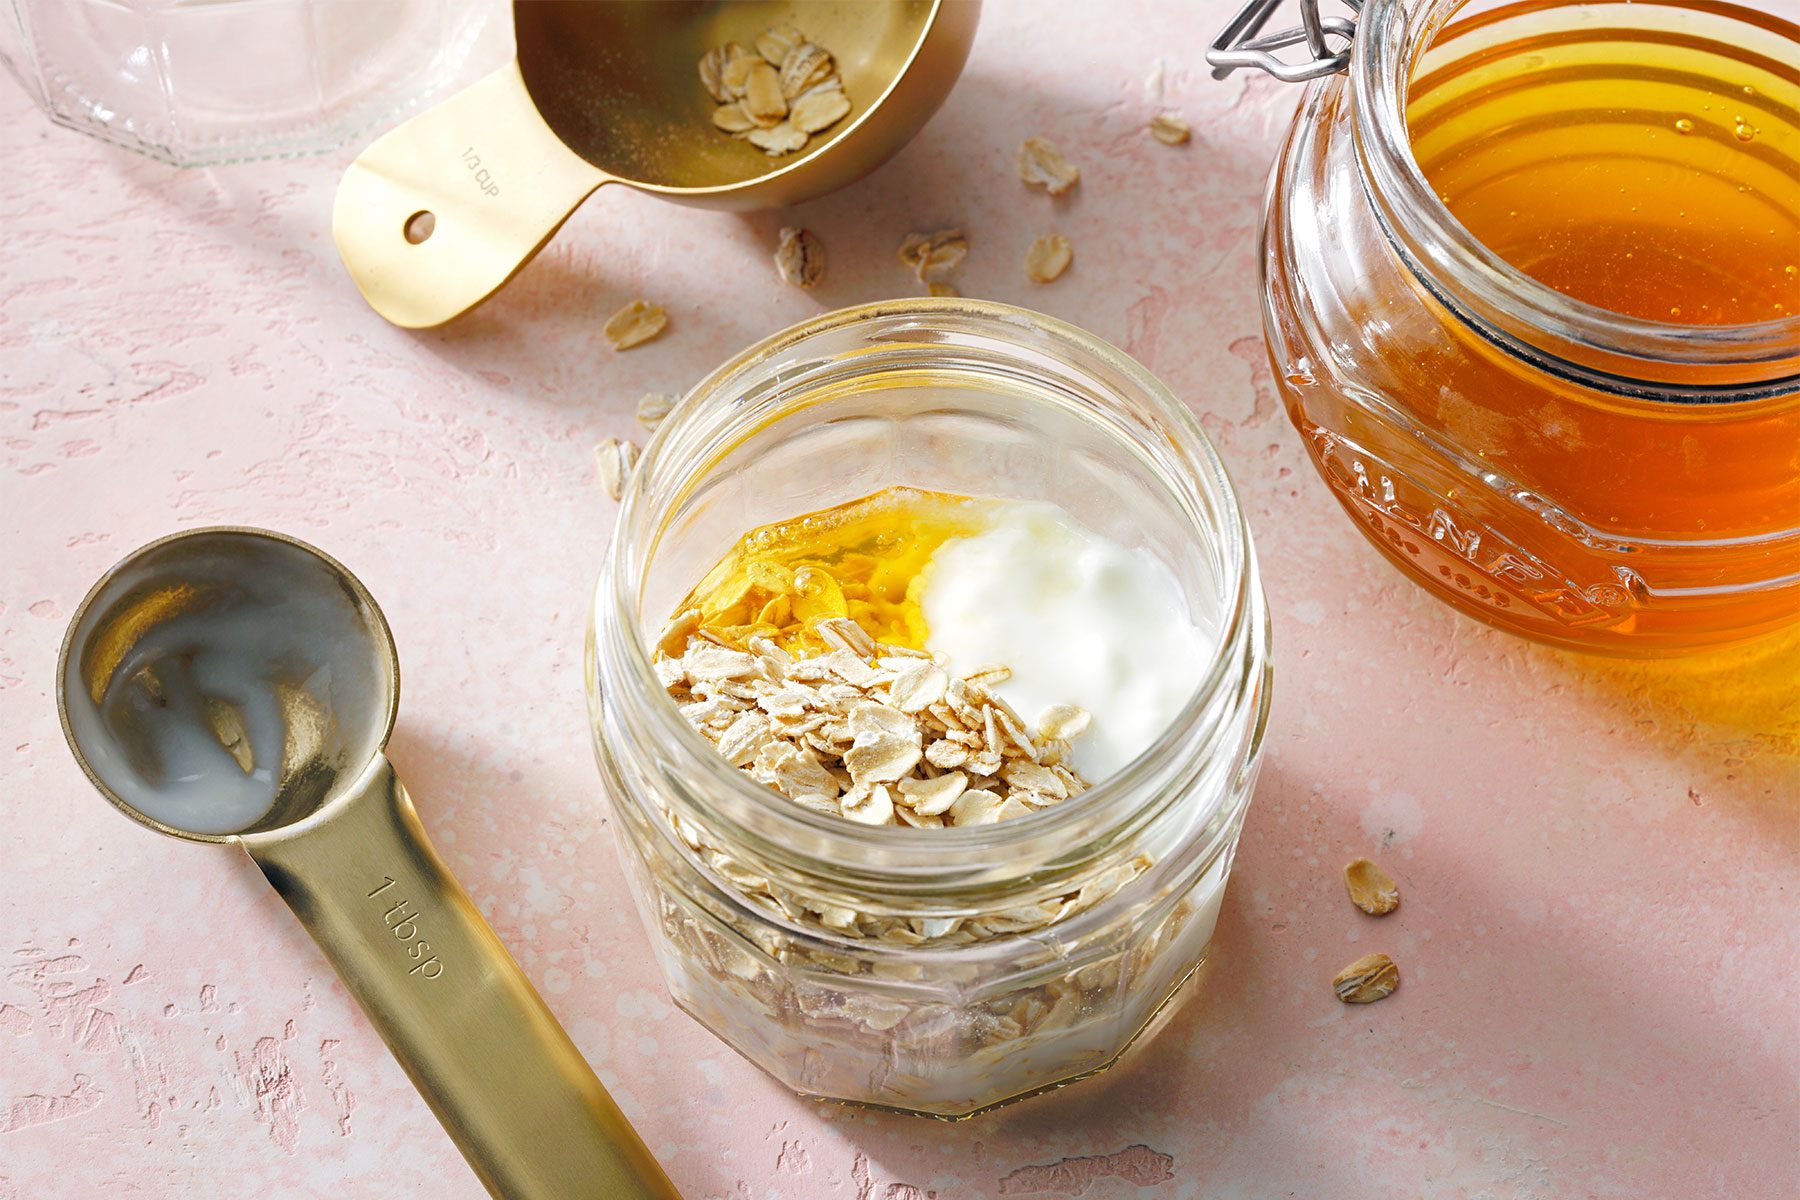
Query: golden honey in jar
point(1534, 301)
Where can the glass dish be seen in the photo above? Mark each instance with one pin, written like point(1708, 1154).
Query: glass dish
point(963, 397)
point(1553, 468)
point(205, 82)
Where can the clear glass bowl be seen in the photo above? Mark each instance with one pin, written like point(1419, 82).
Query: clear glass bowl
point(202, 83)
point(972, 398)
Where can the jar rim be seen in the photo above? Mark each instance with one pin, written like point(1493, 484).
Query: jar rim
point(1101, 814)
point(1596, 345)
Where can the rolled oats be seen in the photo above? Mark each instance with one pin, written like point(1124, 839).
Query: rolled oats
point(1060, 722)
point(774, 44)
point(734, 75)
point(819, 109)
point(1042, 165)
point(1169, 128)
point(805, 66)
point(652, 407)
point(1370, 978)
point(615, 460)
point(732, 118)
point(763, 100)
point(865, 715)
point(1048, 258)
point(635, 324)
point(800, 257)
point(777, 140)
point(1371, 889)
point(931, 256)
point(712, 75)
point(776, 96)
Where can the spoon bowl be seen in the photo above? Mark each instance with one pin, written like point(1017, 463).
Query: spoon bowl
point(226, 681)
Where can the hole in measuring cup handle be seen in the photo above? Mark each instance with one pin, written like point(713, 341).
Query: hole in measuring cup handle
point(419, 227)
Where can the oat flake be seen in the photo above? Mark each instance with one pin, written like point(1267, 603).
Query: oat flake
point(636, 323)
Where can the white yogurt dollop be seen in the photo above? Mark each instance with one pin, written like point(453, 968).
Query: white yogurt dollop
point(1080, 620)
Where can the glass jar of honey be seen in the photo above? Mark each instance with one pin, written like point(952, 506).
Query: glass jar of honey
point(1533, 301)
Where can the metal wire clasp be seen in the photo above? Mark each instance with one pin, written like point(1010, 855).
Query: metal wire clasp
point(1243, 44)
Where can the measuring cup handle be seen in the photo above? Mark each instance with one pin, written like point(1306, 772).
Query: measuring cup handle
point(493, 177)
point(510, 1087)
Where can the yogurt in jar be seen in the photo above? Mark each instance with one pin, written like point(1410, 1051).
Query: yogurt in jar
point(1079, 618)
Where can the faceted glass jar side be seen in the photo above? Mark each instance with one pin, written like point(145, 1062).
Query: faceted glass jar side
point(963, 397)
point(1579, 507)
point(231, 80)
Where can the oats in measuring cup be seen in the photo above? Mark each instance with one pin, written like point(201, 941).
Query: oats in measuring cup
point(777, 95)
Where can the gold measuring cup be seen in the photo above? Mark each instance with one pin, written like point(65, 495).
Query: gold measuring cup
point(434, 216)
point(218, 667)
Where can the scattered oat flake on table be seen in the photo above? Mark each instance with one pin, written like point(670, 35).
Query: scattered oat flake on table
point(1169, 129)
point(615, 460)
point(934, 255)
point(635, 324)
point(1042, 165)
point(652, 407)
point(1048, 258)
point(1370, 978)
point(800, 257)
point(1371, 889)
point(938, 287)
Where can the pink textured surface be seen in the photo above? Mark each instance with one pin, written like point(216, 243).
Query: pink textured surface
point(1599, 862)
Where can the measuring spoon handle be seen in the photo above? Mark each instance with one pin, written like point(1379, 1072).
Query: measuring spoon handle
point(493, 177)
point(511, 1089)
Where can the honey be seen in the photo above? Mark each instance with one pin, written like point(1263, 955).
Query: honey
point(1641, 157)
point(1554, 471)
point(863, 560)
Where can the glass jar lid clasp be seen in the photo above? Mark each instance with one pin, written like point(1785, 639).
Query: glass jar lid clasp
point(1242, 42)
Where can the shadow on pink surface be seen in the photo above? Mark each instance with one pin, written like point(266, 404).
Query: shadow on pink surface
point(1524, 1039)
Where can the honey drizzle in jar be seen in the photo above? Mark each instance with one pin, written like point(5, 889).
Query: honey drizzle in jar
point(1636, 157)
point(861, 560)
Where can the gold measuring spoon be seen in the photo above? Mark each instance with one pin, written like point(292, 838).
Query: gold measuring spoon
point(434, 216)
point(238, 686)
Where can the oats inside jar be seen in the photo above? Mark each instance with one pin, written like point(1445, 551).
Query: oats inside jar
point(929, 797)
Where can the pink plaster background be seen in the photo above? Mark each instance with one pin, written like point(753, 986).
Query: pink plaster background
point(1600, 862)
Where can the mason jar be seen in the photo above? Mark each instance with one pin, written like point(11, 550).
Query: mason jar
point(1552, 467)
point(1012, 957)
